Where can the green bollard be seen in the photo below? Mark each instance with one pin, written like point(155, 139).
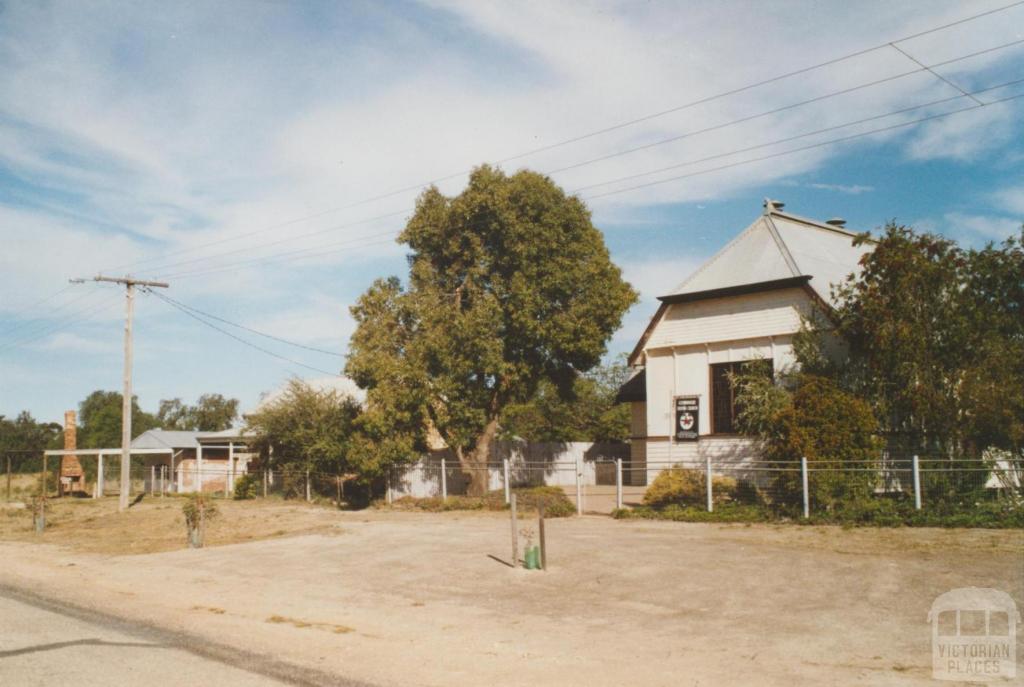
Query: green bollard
point(532, 558)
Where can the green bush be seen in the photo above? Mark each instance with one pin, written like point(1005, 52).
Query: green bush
point(874, 511)
point(686, 486)
point(247, 487)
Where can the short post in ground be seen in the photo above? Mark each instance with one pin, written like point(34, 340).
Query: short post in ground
point(444, 480)
point(803, 482)
point(579, 487)
point(708, 485)
point(266, 478)
point(508, 487)
point(515, 533)
point(540, 533)
point(8, 477)
point(618, 487)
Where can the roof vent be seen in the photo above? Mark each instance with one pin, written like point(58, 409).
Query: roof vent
point(836, 222)
point(770, 204)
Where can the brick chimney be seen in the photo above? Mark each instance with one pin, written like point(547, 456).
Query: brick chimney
point(70, 431)
point(72, 477)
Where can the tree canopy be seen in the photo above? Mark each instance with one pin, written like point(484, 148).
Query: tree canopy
point(510, 286)
point(589, 413)
point(305, 428)
point(211, 413)
point(99, 418)
point(935, 337)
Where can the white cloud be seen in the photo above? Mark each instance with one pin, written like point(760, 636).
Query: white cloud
point(1010, 199)
point(852, 189)
point(984, 226)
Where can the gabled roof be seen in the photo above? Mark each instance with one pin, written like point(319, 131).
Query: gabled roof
point(172, 438)
point(779, 246)
point(778, 250)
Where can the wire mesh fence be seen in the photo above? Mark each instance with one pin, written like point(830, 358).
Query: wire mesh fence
point(787, 488)
point(794, 489)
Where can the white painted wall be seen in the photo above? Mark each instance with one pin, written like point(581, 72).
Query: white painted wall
point(686, 342)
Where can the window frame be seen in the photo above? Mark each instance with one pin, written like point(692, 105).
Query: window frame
point(732, 365)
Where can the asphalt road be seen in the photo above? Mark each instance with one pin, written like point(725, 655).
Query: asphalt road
point(43, 643)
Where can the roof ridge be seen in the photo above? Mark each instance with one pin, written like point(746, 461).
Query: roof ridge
point(815, 224)
point(794, 268)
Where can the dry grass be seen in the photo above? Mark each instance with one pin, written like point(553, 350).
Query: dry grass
point(156, 524)
point(294, 622)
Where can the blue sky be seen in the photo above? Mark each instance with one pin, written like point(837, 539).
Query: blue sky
point(233, 149)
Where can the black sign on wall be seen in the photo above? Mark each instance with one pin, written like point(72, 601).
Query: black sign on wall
point(687, 418)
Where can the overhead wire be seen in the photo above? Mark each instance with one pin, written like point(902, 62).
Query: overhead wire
point(238, 338)
point(863, 120)
point(34, 323)
point(597, 132)
point(316, 251)
point(620, 153)
point(807, 147)
point(250, 329)
point(80, 316)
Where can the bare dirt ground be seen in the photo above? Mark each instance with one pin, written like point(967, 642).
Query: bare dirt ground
point(418, 598)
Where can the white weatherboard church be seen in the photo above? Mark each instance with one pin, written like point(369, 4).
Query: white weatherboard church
point(743, 304)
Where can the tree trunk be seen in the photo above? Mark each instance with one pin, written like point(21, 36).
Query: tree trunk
point(475, 462)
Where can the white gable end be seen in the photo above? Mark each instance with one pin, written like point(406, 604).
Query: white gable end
point(753, 256)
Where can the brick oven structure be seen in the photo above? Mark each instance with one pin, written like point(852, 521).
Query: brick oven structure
point(72, 477)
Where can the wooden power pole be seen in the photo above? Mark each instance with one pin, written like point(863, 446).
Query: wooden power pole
point(126, 401)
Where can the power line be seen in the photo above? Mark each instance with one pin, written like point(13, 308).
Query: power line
point(672, 139)
point(807, 147)
point(249, 329)
point(34, 323)
point(799, 136)
point(240, 339)
point(605, 130)
point(316, 251)
point(82, 316)
point(784, 108)
point(45, 299)
point(298, 254)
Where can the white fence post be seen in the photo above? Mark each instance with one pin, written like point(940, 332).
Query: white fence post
point(618, 483)
point(444, 481)
point(99, 476)
point(508, 489)
point(390, 497)
point(152, 479)
point(579, 487)
point(708, 485)
point(803, 480)
point(917, 483)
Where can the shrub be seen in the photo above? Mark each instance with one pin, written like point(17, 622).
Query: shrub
point(247, 487)
point(686, 486)
point(198, 509)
